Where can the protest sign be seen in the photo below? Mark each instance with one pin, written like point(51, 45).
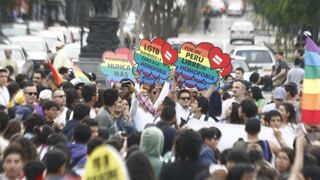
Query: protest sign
point(232, 132)
point(105, 163)
point(117, 65)
point(200, 65)
point(153, 60)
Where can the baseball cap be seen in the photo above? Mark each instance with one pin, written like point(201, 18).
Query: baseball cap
point(279, 93)
point(45, 94)
point(2, 69)
point(76, 81)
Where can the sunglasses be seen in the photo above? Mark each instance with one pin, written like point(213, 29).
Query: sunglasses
point(185, 98)
point(61, 96)
point(32, 93)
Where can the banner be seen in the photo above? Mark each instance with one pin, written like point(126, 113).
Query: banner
point(117, 65)
point(153, 59)
point(201, 65)
point(232, 132)
point(105, 163)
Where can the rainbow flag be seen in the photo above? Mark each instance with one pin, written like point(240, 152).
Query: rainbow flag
point(57, 77)
point(79, 74)
point(310, 102)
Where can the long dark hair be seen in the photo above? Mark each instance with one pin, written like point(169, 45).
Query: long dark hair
point(290, 109)
point(256, 93)
point(234, 117)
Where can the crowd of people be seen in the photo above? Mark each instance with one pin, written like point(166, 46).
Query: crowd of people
point(48, 130)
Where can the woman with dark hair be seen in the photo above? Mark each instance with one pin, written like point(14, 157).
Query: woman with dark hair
point(256, 94)
point(288, 114)
point(40, 139)
point(187, 166)
point(32, 122)
point(29, 149)
point(242, 171)
point(232, 114)
point(284, 161)
point(139, 166)
point(13, 127)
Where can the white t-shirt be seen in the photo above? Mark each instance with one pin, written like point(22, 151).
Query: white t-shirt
point(182, 113)
point(4, 96)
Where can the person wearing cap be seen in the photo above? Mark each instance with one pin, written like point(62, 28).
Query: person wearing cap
point(78, 85)
point(8, 61)
point(239, 90)
point(279, 96)
point(4, 93)
point(61, 59)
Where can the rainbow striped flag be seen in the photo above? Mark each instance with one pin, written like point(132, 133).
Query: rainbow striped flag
point(79, 74)
point(310, 102)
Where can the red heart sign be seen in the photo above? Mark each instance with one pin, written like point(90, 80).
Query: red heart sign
point(169, 55)
point(201, 49)
point(218, 59)
point(226, 71)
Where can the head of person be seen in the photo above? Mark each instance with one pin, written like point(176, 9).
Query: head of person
point(298, 53)
point(153, 93)
point(248, 109)
point(184, 97)
point(235, 157)
point(82, 134)
point(80, 112)
point(64, 72)
point(10, 70)
point(296, 61)
point(13, 162)
point(279, 56)
point(279, 96)
point(8, 53)
point(55, 162)
point(30, 94)
point(152, 141)
point(284, 160)
point(288, 113)
point(119, 108)
point(111, 98)
point(187, 145)
point(93, 144)
point(242, 171)
point(256, 93)
point(239, 88)
point(254, 78)
point(210, 136)
point(78, 85)
point(93, 125)
point(252, 127)
point(3, 76)
point(168, 114)
point(200, 105)
point(22, 80)
point(291, 89)
point(4, 121)
point(229, 79)
point(29, 149)
point(50, 109)
point(13, 127)
point(273, 119)
point(34, 170)
point(138, 162)
point(239, 72)
point(89, 93)
point(59, 97)
point(38, 77)
point(233, 114)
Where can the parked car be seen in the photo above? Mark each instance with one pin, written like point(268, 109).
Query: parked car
point(257, 57)
point(18, 54)
point(242, 30)
point(12, 30)
point(235, 8)
point(217, 5)
point(240, 61)
point(36, 48)
point(51, 38)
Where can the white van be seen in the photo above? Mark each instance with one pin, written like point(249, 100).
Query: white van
point(258, 58)
point(242, 30)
